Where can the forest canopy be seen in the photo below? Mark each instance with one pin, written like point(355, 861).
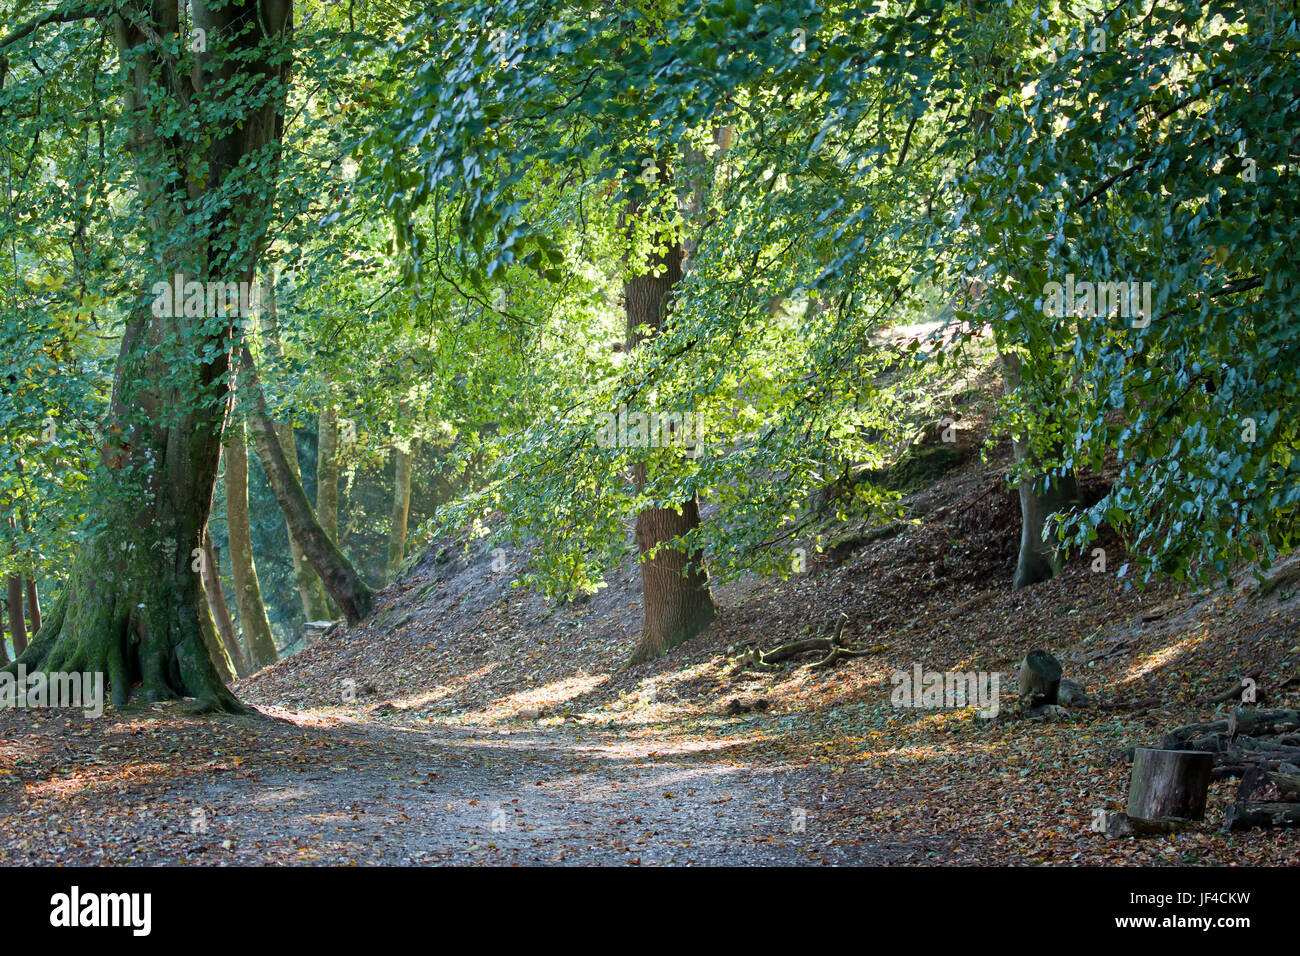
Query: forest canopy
point(672, 283)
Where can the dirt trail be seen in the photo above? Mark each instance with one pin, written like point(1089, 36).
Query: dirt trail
point(371, 794)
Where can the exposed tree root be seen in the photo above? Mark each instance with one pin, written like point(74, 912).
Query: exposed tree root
point(833, 649)
point(135, 631)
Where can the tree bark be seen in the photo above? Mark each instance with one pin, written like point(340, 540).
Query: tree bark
point(674, 583)
point(33, 604)
point(340, 578)
point(401, 508)
point(1169, 783)
point(134, 608)
point(327, 471)
point(230, 658)
point(216, 652)
point(258, 642)
point(17, 617)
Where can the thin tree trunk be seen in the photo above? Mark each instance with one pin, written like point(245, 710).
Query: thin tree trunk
point(327, 471)
point(1041, 496)
point(216, 652)
point(340, 578)
point(33, 604)
point(4, 653)
point(674, 583)
point(258, 642)
point(231, 655)
point(310, 590)
point(17, 618)
point(401, 508)
point(33, 597)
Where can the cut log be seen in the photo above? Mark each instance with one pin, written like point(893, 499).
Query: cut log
point(1039, 678)
point(1169, 783)
point(1262, 785)
point(1260, 721)
point(1177, 739)
point(1071, 693)
point(1117, 825)
point(1244, 816)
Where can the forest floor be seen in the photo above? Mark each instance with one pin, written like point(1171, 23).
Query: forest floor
point(467, 721)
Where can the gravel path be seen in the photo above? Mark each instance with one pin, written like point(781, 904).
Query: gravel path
point(239, 791)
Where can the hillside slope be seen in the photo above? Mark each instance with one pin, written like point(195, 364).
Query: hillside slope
point(454, 644)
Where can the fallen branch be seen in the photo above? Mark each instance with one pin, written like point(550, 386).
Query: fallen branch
point(1235, 691)
point(1277, 582)
point(1144, 704)
point(832, 648)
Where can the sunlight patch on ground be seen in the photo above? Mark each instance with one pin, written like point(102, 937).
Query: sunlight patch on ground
point(1161, 658)
point(544, 697)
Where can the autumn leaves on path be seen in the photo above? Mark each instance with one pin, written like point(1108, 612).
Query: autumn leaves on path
point(159, 787)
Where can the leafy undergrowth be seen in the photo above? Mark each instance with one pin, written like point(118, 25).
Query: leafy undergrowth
point(454, 645)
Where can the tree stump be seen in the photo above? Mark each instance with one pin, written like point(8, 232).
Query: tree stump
point(1039, 678)
point(1169, 783)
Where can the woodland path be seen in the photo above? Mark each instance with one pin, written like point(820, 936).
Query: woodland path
point(240, 791)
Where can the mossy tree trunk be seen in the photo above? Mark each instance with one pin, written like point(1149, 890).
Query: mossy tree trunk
point(231, 657)
point(134, 606)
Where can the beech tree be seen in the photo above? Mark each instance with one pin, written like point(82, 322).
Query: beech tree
point(203, 123)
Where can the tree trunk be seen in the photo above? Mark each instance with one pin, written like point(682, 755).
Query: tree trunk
point(401, 508)
point(258, 642)
point(340, 578)
point(674, 582)
point(4, 653)
point(1041, 496)
point(134, 607)
point(231, 658)
point(17, 617)
point(310, 589)
point(216, 652)
point(327, 471)
point(33, 604)
point(1169, 783)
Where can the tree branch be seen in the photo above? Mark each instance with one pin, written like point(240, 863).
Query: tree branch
point(68, 15)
